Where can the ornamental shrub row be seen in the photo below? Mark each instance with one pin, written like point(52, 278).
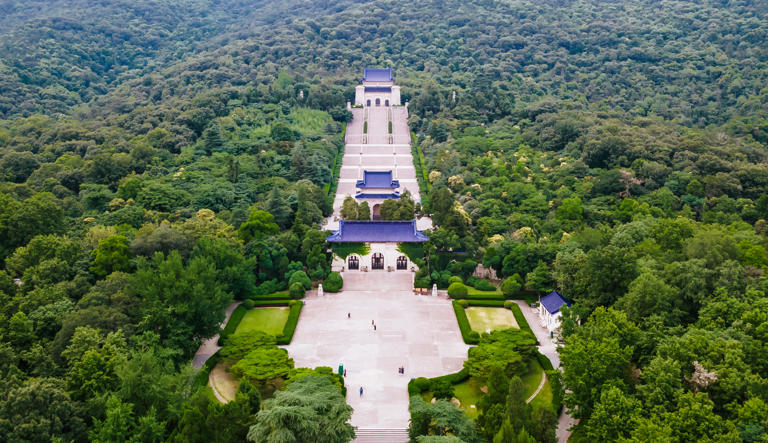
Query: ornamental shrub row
point(290, 324)
point(234, 321)
point(422, 384)
point(521, 321)
point(470, 337)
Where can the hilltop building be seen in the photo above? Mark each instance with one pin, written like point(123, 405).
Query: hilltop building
point(377, 89)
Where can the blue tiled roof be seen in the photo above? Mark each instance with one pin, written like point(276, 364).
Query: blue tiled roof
point(378, 89)
point(378, 231)
point(377, 75)
point(394, 195)
point(377, 179)
point(553, 301)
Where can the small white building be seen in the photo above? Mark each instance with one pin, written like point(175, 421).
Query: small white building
point(377, 89)
point(550, 310)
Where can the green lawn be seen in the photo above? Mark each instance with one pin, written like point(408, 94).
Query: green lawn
point(468, 392)
point(269, 320)
point(483, 319)
point(532, 377)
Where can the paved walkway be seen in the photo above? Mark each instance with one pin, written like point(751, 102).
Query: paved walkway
point(549, 348)
point(376, 150)
point(211, 346)
point(417, 332)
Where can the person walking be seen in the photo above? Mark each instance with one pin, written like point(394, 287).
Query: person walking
point(373, 322)
point(349, 315)
point(374, 328)
point(345, 372)
point(361, 391)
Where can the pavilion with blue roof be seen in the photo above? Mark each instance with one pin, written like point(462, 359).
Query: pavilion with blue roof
point(377, 185)
point(550, 309)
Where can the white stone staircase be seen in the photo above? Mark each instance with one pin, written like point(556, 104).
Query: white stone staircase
point(381, 435)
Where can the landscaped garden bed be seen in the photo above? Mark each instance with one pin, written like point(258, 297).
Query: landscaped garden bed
point(489, 319)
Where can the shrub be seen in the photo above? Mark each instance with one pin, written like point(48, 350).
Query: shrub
point(455, 279)
point(248, 304)
point(508, 304)
point(268, 287)
point(457, 290)
point(442, 389)
point(234, 320)
point(484, 285)
point(333, 283)
point(511, 285)
point(300, 277)
point(464, 303)
point(291, 322)
point(422, 384)
point(297, 291)
point(474, 336)
point(423, 282)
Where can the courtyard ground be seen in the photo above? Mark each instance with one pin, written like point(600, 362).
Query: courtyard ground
point(490, 319)
point(417, 332)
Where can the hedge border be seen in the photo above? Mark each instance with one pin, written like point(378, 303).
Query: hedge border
point(522, 323)
point(455, 378)
point(464, 327)
point(234, 320)
point(290, 323)
point(279, 295)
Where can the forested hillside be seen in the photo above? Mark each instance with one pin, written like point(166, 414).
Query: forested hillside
point(159, 160)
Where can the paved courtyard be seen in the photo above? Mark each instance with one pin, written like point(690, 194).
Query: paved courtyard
point(417, 332)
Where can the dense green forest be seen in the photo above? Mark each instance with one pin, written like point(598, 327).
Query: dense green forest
point(161, 159)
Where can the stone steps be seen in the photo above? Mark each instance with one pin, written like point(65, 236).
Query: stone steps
point(381, 435)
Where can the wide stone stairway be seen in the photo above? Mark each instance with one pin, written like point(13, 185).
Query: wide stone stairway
point(380, 435)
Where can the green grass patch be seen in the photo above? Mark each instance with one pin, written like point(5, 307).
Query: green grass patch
point(309, 121)
point(343, 250)
point(468, 393)
point(269, 320)
point(532, 377)
point(484, 319)
point(544, 398)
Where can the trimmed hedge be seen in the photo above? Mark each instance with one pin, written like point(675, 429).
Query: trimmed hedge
point(291, 322)
point(201, 378)
point(555, 378)
point(485, 303)
point(422, 384)
point(470, 337)
point(544, 362)
point(233, 323)
point(280, 295)
point(270, 303)
point(521, 321)
point(473, 294)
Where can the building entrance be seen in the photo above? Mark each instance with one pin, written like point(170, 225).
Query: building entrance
point(377, 261)
point(402, 262)
point(353, 262)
